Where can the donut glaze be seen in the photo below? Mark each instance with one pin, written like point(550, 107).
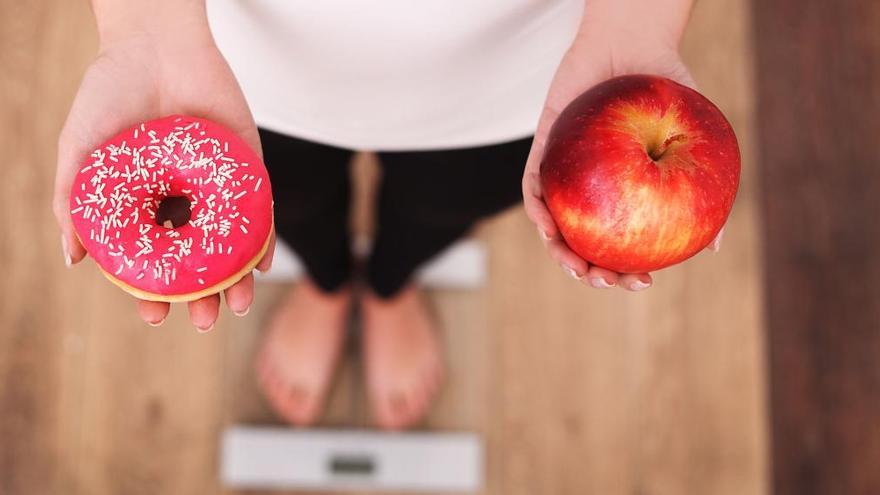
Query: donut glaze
point(117, 193)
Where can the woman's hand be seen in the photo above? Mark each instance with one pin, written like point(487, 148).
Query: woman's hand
point(591, 60)
point(141, 74)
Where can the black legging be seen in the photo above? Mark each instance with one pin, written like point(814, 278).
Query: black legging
point(427, 200)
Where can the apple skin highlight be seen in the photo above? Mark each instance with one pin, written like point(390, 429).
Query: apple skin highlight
point(640, 173)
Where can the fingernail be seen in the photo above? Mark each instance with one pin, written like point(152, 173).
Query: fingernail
point(242, 313)
point(639, 285)
point(600, 283)
point(543, 234)
point(156, 323)
point(716, 243)
point(67, 261)
point(570, 271)
point(205, 330)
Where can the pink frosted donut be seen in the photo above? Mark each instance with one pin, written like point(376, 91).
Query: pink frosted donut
point(127, 189)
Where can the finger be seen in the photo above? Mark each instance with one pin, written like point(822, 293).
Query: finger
point(635, 281)
point(539, 142)
point(240, 296)
point(252, 136)
point(536, 209)
point(678, 71)
point(684, 77)
point(153, 312)
point(571, 263)
point(601, 278)
point(533, 195)
point(265, 264)
point(68, 154)
point(715, 246)
point(236, 115)
point(203, 312)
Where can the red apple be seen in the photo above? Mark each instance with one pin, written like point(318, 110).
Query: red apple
point(640, 173)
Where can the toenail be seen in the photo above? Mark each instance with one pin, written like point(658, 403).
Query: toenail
point(156, 323)
point(600, 283)
point(242, 313)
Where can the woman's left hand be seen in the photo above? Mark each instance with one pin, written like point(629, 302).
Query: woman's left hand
point(586, 64)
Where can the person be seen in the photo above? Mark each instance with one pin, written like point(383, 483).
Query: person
point(456, 97)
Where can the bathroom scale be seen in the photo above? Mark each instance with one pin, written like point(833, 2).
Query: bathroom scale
point(282, 458)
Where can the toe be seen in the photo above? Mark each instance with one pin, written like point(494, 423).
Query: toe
point(278, 395)
point(264, 374)
point(398, 407)
point(299, 406)
point(417, 401)
point(391, 411)
point(432, 381)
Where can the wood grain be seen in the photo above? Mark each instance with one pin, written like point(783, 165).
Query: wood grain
point(576, 391)
point(818, 88)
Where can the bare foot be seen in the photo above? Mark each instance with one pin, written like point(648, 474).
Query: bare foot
point(402, 358)
point(301, 349)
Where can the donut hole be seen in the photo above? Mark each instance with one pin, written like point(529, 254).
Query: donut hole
point(173, 211)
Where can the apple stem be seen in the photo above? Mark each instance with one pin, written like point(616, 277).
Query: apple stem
point(657, 153)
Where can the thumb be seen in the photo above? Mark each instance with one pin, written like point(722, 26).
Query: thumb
point(68, 165)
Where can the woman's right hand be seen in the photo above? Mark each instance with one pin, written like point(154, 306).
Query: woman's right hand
point(141, 74)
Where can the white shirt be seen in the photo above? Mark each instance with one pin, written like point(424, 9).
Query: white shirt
point(396, 74)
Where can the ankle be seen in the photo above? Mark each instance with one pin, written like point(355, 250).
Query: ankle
point(407, 292)
point(341, 293)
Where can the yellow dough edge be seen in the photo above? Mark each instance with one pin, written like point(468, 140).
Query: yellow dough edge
point(192, 296)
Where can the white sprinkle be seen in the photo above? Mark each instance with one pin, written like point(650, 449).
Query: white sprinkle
point(243, 228)
point(201, 281)
point(257, 187)
point(200, 270)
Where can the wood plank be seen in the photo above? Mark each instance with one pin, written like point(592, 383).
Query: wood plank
point(41, 346)
point(659, 392)
point(577, 391)
point(92, 400)
point(818, 88)
point(464, 402)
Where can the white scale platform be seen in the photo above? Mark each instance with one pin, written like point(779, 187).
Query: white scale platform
point(461, 266)
point(326, 460)
point(284, 458)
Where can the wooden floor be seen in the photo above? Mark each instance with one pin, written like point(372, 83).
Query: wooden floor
point(576, 391)
point(819, 80)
